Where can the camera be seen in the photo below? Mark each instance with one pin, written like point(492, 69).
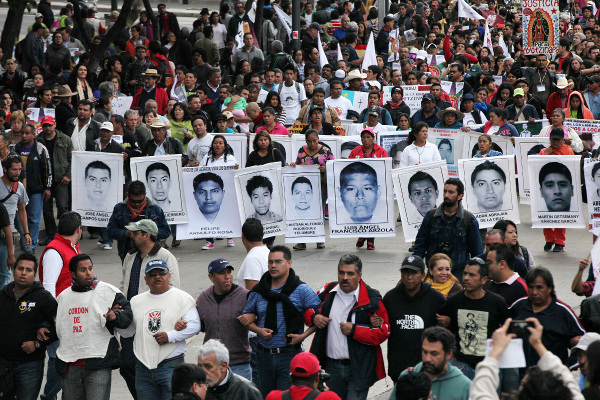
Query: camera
point(445, 247)
point(323, 377)
point(519, 327)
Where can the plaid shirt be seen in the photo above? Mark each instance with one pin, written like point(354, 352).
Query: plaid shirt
point(135, 72)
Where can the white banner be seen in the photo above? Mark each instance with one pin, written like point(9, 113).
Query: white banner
point(525, 147)
point(162, 177)
point(555, 192)
point(121, 104)
point(450, 145)
point(582, 126)
point(303, 205)
point(211, 201)
point(260, 196)
point(419, 189)
point(361, 199)
point(413, 94)
point(490, 189)
point(97, 185)
point(591, 172)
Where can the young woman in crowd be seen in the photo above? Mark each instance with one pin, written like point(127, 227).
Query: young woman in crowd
point(439, 274)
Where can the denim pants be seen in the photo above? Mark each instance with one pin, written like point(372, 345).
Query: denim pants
point(155, 384)
point(253, 358)
point(274, 371)
point(34, 217)
point(128, 363)
point(5, 274)
point(104, 238)
point(53, 381)
point(86, 384)
point(341, 381)
point(242, 370)
point(28, 378)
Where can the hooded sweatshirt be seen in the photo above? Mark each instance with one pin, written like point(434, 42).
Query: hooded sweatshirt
point(453, 385)
point(583, 113)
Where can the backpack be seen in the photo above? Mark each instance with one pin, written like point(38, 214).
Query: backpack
point(467, 217)
point(19, 50)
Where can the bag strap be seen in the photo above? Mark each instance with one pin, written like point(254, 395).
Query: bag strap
point(286, 395)
point(13, 191)
point(311, 396)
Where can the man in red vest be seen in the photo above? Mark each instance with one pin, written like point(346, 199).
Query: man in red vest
point(55, 276)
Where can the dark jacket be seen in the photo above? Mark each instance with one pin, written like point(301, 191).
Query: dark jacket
point(111, 147)
point(531, 74)
point(16, 84)
point(92, 133)
point(60, 54)
point(430, 121)
point(38, 171)
point(45, 9)
point(236, 387)
point(61, 155)
point(529, 111)
point(121, 216)
point(234, 22)
point(63, 113)
point(364, 341)
point(35, 309)
point(33, 52)
point(436, 230)
point(112, 359)
point(403, 108)
point(382, 43)
point(172, 21)
point(172, 146)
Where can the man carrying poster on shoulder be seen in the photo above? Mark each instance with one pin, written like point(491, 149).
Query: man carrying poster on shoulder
point(551, 186)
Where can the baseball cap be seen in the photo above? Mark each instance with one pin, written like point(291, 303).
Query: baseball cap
point(415, 263)
point(107, 125)
point(228, 114)
point(305, 364)
point(340, 74)
point(156, 264)
point(345, 51)
point(316, 26)
point(374, 83)
point(373, 110)
point(144, 225)
point(48, 119)
point(369, 130)
point(396, 89)
point(468, 96)
point(220, 117)
point(586, 340)
point(428, 96)
point(519, 92)
point(39, 15)
point(218, 265)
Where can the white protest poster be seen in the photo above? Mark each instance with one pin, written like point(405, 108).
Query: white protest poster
point(525, 147)
point(211, 203)
point(333, 142)
point(502, 144)
point(358, 99)
point(260, 196)
point(121, 104)
point(162, 177)
point(303, 204)
point(348, 143)
point(555, 192)
point(490, 189)
point(394, 46)
point(394, 143)
point(419, 189)
point(413, 94)
point(37, 114)
point(239, 144)
point(97, 186)
point(450, 145)
point(361, 199)
point(591, 173)
point(585, 128)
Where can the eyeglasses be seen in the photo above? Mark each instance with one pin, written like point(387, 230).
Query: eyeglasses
point(477, 260)
point(153, 274)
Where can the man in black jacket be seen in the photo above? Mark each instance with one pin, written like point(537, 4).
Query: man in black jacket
point(163, 144)
point(412, 307)
point(88, 347)
point(31, 310)
point(38, 173)
point(64, 110)
point(397, 105)
point(167, 22)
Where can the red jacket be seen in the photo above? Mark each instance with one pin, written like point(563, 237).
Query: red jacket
point(65, 249)
point(554, 103)
point(161, 97)
point(378, 152)
point(448, 53)
point(300, 392)
point(130, 48)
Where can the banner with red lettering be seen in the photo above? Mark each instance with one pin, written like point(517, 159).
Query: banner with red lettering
point(540, 26)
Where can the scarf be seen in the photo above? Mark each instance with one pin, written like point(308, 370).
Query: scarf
point(293, 318)
point(444, 288)
point(259, 118)
point(481, 106)
point(77, 288)
point(135, 214)
point(88, 94)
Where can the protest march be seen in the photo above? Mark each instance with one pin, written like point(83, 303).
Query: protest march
point(283, 128)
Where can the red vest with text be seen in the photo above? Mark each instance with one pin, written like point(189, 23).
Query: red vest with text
point(66, 251)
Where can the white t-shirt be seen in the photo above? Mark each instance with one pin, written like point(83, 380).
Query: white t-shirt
point(341, 105)
point(198, 148)
point(413, 155)
point(290, 101)
point(20, 197)
point(377, 129)
point(254, 266)
point(207, 161)
point(468, 120)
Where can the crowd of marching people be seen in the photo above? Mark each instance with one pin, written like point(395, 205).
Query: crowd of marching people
point(460, 287)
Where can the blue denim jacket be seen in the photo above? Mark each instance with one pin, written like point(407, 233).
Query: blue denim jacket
point(437, 230)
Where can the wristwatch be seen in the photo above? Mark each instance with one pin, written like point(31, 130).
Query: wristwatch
point(37, 344)
point(27, 233)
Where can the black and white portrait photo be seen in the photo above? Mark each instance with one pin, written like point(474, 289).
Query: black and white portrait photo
point(490, 188)
point(211, 200)
point(239, 146)
point(591, 172)
point(360, 194)
point(446, 148)
point(162, 177)
point(499, 143)
point(389, 141)
point(525, 147)
point(349, 143)
point(555, 191)
point(97, 186)
point(450, 144)
point(419, 189)
point(259, 189)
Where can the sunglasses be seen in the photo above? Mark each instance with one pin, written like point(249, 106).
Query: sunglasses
point(136, 201)
point(153, 274)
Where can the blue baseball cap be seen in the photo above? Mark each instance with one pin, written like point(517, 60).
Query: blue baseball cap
point(218, 265)
point(468, 96)
point(156, 264)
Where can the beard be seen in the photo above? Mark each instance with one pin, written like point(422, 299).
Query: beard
point(434, 369)
point(449, 203)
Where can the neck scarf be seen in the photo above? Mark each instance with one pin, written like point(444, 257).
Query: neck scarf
point(135, 214)
point(293, 318)
point(444, 288)
point(77, 288)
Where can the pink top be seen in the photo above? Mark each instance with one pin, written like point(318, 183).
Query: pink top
point(278, 130)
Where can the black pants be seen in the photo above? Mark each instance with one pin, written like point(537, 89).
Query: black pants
point(60, 193)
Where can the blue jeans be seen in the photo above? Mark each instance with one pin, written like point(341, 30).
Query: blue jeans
point(28, 378)
point(5, 274)
point(128, 362)
point(253, 359)
point(53, 381)
point(34, 216)
point(465, 368)
point(155, 384)
point(274, 371)
point(103, 232)
point(243, 370)
point(341, 381)
point(81, 383)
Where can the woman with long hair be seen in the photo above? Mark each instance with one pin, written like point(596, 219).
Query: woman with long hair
point(10, 104)
point(502, 98)
point(419, 150)
point(31, 96)
point(497, 124)
point(511, 237)
point(80, 84)
point(576, 109)
point(298, 57)
point(242, 68)
point(363, 33)
point(273, 100)
point(439, 274)
point(263, 151)
point(181, 124)
point(309, 86)
point(146, 26)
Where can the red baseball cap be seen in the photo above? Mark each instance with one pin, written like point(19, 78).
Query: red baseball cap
point(48, 120)
point(305, 364)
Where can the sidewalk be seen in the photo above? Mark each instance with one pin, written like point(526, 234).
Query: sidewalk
point(181, 10)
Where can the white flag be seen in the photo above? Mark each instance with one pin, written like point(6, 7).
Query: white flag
point(503, 45)
point(466, 11)
point(239, 38)
point(322, 56)
point(487, 39)
point(370, 55)
point(340, 57)
point(285, 19)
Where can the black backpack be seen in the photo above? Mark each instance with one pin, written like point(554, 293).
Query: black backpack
point(19, 50)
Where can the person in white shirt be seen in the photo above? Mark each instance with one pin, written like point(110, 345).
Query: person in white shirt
point(373, 115)
point(199, 146)
point(158, 346)
point(292, 95)
point(419, 150)
point(337, 101)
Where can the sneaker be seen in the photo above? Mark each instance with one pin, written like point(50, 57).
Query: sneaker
point(558, 248)
point(208, 246)
point(320, 245)
point(100, 244)
point(411, 249)
point(360, 242)
point(548, 246)
point(370, 245)
point(326, 211)
point(107, 246)
point(300, 246)
point(230, 242)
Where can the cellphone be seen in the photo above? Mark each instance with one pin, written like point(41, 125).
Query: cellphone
point(519, 327)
